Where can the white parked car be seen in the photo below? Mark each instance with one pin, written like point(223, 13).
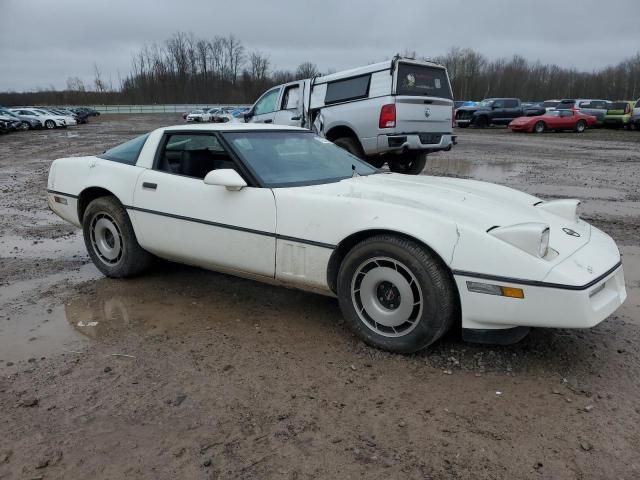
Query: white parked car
point(48, 120)
point(200, 116)
point(408, 257)
point(69, 120)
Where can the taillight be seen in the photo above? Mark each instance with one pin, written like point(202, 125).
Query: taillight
point(388, 116)
point(453, 116)
point(627, 109)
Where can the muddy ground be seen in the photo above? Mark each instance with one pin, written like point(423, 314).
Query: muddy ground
point(188, 374)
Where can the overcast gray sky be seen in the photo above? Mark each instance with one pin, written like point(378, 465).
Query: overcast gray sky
point(43, 42)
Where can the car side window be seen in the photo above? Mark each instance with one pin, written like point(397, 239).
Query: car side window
point(291, 98)
point(498, 104)
point(128, 152)
point(192, 155)
point(349, 89)
point(267, 103)
point(511, 103)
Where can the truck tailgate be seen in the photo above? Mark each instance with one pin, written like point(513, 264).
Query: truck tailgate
point(423, 114)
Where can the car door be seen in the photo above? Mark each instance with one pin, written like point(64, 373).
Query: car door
point(264, 110)
point(512, 110)
point(567, 119)
point(290, 105)
point(498, 115)
point(180, 218)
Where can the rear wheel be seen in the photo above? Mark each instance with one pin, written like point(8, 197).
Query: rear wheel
point(395, 294)
point(539, 127)
point(408, 163)
point(351, 145)
point(581, 126)
point(111, 241)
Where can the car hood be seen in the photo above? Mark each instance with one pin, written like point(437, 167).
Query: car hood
point(471, 203)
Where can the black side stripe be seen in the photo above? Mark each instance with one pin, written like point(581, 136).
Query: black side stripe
point(535, 283)
point(233, 227)
point(62, 193)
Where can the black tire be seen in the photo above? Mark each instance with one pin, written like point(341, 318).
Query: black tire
point(351, 145)
point(481, 122)
point(539, 127)
point(108, 232)
point(50, 124)
point(432, 284)
point(463, 125)
point(580, 126)
point(378, 161)
point(408, 163)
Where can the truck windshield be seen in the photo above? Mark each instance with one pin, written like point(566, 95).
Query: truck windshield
point(423, 81)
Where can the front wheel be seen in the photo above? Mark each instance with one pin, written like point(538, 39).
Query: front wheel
point(111, 241)
point(395, 294)
point(408, 163)
point(539, 127)
point(581, 126)
point(50, 124)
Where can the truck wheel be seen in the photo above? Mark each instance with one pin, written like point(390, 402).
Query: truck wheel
point(481, 122)
point(395, 294)
point(539, 127)
point(377, 161)
point(409, 163)
point(111, 241)
point(351, 145)
point(580, 127)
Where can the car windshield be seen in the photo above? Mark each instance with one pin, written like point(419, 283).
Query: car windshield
point(295, 158)
point(550, 104)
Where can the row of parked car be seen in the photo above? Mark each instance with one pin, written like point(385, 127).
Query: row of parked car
point(537, 117)
point(30, 118)
point(216, 114)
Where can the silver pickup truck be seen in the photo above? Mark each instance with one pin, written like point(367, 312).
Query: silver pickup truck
point(392, 112)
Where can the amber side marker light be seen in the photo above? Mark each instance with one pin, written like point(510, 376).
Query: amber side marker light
point(61, 200)
point(490, 289)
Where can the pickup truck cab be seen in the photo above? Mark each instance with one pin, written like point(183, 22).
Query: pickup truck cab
point(390, 112)
point(491, 111)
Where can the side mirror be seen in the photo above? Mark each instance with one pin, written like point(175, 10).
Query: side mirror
point(225, 178)
point(247, 116)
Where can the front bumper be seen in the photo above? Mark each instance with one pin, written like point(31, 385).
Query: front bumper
point(418, 141)
point(542, 306)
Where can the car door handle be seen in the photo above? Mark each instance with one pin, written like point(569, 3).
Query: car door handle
point(295, 118)
point(150, 186)
point(268, 121)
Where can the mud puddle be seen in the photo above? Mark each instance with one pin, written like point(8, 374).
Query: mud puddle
point(498, 172)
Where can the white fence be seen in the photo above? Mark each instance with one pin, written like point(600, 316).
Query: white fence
point(177, 108)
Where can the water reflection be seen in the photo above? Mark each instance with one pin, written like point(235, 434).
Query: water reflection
point(461, 167)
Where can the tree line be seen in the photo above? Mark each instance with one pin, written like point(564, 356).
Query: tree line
point(188, 69)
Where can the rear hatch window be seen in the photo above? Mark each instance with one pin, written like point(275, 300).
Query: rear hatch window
point(566, 104)
point(421, 80)
point(618, 108)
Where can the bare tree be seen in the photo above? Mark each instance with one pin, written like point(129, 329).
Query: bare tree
point(307, 70)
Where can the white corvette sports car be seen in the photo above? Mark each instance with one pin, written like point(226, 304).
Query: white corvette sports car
point(408, 257)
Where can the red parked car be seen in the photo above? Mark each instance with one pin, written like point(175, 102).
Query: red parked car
point(554, 120)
